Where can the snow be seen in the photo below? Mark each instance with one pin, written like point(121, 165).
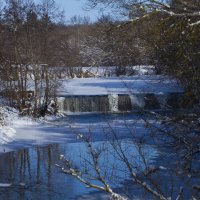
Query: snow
point(111, 70)
point(44, 131)
point(113, 102)
point(5, 185)
point(13, 126)
point(20, 132)
point(6, 134)
point(118, 85)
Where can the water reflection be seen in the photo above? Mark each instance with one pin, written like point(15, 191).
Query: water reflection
point(33, 174)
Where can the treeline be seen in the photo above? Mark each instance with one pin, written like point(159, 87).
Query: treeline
point(28, 39)
point(163, 33)
point(37, 47)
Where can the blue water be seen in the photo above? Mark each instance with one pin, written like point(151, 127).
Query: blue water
point(35, 169)
point(34, 176)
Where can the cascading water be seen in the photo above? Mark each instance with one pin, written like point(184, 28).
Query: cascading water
point(151, 101)
point(60, 102)
point(162, 99)
point(137, 101)
point(119, 102)
point(124, 103)
point(86, 104)
point(113, 102)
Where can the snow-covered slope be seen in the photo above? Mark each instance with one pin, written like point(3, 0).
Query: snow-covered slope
point(19, 132)
point(7, 132)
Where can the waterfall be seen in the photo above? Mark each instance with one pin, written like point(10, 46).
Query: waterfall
point(113, 102)
point(151, 101)
point(60, 102)
point(137, 101)
point(162, 99)
point(86, 104)
point(124, 103)
point(119, 102)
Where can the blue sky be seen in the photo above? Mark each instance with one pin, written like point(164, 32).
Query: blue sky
point(75, 7)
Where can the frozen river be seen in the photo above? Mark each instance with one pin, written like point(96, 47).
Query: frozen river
point(103, 110)
point(30, 173)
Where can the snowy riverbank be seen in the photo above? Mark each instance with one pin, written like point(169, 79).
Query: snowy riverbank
point(118, 85)
point(20, 132)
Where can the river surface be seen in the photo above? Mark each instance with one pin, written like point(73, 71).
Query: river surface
point(32, 173)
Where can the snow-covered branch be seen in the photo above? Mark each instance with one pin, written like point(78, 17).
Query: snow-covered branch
point(68, 169)
point(195, 23)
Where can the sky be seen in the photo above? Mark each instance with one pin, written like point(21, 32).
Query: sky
point(75, 7)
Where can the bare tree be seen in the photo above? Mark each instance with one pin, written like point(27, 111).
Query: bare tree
point(189, 8)
point(28, 34)
point(116, 159)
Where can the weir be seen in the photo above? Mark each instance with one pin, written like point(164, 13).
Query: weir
point(120, 102)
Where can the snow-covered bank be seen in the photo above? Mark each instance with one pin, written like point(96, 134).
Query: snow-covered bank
point(119, 94)
point(7, 132)
point(111, 71)
point(65, 130)
point(20, 132)
point(118, 85)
